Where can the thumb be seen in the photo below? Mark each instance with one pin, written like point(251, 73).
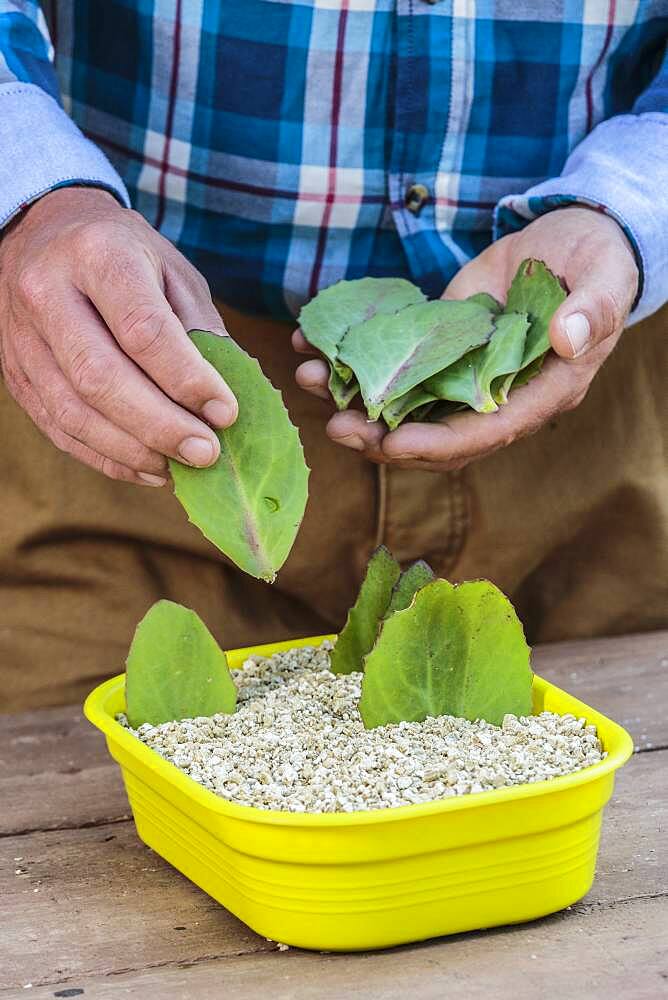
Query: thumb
point(597, 306)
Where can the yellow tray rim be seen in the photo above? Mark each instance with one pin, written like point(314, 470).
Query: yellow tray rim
point(95, 709)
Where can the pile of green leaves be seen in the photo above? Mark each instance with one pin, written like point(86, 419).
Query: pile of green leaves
point(250, 504)
point(430, 648)
point(407, 356)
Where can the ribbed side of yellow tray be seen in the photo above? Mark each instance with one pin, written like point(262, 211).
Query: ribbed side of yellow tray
point(374, 879)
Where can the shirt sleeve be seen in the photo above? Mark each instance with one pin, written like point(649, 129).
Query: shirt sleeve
point(620, 168)
point(40, 146)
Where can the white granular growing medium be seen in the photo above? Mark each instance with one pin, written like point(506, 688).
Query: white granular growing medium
point(296, 743)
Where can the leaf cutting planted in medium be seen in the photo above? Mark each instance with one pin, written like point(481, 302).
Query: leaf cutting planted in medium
point(250, 504)
point(175, 669)
point(427, 647)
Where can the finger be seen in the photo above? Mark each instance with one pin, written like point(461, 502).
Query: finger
point(464, 436)
point(314, 377)
point(78, 420)
point(103, 377)
point(125, 290)
point(352, 429)
point(189, 295)
point(602, 292)
point(301, 345)
point(25, 395)
point(485, 273)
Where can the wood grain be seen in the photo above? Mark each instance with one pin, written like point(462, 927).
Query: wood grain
point(84, 905)
point(56, 773)
point(625, 677)
point(138, 912)
point(609, 952)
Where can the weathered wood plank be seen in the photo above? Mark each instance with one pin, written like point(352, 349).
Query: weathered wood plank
point(625, 677)
point(633, 860)
point(55, 772)
point(105, 903)
point(98, 900)
point(612, 951)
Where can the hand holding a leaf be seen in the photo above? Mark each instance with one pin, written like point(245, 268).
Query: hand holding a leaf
point(593, 258)
point(94, 307)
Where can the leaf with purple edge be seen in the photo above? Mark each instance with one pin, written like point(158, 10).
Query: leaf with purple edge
point(251, 502)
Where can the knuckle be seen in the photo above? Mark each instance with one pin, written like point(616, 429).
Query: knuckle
point(110, 469)
point(142, 330)
point(192, 386)
point(91, 239)
point(609, 313)
point(89, 375)
point(71, 417)
point(60, 439)
point(32, 286)
point(197, 282)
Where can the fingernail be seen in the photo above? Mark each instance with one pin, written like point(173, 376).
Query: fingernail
point(151, 480)
point(219, 413)
point(578, 333)
point(353, 441)
point(197, 451)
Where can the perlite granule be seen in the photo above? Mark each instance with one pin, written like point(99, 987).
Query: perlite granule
point(296, 743)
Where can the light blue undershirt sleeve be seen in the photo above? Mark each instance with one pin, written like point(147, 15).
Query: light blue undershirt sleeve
point(621, 168)
point(40, 146)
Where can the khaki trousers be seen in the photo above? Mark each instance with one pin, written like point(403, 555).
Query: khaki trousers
point(571, 523)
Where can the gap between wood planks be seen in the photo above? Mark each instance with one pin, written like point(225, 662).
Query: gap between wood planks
point(625, 678)
point(518, 961)
point(132, 904)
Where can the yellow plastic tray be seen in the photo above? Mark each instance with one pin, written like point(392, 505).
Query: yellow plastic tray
point(349, 881)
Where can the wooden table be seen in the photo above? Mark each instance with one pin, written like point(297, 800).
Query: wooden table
point(87, 910)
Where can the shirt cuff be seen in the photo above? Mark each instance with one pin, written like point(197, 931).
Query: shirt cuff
point(41, 149)
point(621, 168)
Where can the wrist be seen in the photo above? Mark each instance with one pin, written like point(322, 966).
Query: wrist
point(586, 214)
point(72, 199)
point(66, 204)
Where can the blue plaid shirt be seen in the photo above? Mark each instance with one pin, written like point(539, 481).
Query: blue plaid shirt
point(284, 145)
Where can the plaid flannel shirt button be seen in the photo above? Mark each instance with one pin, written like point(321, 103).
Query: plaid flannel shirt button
point(416, 196)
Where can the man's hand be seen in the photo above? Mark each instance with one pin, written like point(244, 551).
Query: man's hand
point(586, 248)
point(94, 305)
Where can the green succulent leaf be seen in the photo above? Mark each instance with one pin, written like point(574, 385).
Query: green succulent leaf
point(397, 411)
point(539, 293)
point(392, 354)
point(457, 650)
point(418, 575)
point(443, 409)
point(342, 393)
point(175, 669)
point(250, 504)
point(359, 633)
point(470, 380)
point(421, 413)
point(488, 301)
point(327, 317)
